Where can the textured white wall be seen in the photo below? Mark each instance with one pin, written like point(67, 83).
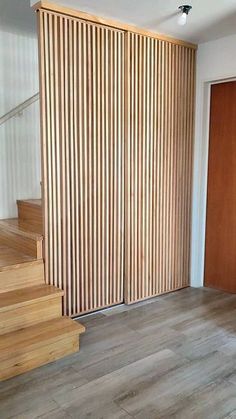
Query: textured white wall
point(216, 61)
point(19, 137)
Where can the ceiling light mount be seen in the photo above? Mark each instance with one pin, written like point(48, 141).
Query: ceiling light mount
point(185, 9)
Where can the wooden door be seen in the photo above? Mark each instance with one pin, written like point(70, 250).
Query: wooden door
point(220, 252)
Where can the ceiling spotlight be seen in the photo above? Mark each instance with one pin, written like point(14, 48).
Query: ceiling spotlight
point(185, 11)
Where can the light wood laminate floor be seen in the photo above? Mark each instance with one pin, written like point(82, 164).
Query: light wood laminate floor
point(170, 357)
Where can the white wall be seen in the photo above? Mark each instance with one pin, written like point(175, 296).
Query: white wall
point(19, 137)
point(216, 61)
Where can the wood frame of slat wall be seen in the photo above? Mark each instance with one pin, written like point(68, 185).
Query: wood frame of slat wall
point(56, 8)
point(115, 119)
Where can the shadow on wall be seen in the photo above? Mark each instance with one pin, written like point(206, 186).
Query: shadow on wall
point(19, 136)
point(20, 172)
point(17, 16)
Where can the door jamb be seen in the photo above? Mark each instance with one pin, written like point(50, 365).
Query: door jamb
point(200, 183)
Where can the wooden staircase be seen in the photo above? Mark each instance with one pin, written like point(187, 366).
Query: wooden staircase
point(33, 331)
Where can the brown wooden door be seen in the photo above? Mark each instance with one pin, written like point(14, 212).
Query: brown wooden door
point(220, 254)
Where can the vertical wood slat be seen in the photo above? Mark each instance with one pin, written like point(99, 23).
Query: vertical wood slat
point(159, 136)
point(82, 110)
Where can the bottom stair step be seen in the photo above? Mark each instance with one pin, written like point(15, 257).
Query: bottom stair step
point(29, 306)
point(34, 346)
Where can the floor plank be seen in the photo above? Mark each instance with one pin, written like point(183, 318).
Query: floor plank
point(172, 356)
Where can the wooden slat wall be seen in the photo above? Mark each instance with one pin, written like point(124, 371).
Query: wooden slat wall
point(82, 108)
point(159, 128)
point(117, 117)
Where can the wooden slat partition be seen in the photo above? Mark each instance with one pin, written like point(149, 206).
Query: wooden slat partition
point(159, 128)
point(117, 130)
point(82, 108)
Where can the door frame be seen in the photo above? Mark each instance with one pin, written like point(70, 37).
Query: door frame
point(200, 180)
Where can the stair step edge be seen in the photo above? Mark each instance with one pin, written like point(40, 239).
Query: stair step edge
point(23, 264)
point(23, 297)
point(4, 225)
point(33, 337)
point(30, 202)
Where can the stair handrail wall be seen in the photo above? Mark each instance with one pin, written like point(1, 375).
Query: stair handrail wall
point(19, 108)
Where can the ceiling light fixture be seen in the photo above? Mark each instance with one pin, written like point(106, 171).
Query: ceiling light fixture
point(185, 11)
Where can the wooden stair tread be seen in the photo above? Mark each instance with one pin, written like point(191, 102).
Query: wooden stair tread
point(15, 225)
point(32, 329)
point(27, 296)
point(31, 202)
point(11, 258)
point(30, 338)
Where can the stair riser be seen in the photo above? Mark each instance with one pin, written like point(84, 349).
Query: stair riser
point(31, 214)
point(22, 276)
point(29, 360)
point(27, 245)
point(22, 317)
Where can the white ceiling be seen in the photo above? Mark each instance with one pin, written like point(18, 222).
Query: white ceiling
point(208, 20)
